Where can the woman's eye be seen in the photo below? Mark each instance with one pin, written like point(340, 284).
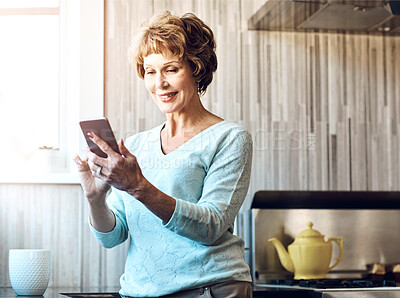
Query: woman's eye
point(147, 72)
point(172, 70)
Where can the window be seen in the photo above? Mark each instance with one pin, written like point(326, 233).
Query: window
point(47, 46)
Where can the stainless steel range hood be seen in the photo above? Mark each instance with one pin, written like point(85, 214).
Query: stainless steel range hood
point(345, 16)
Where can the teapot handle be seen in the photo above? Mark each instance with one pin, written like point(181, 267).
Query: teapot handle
point(339, 242)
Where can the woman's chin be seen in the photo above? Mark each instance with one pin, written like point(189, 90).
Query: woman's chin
point(166, 110)
point(167, 107)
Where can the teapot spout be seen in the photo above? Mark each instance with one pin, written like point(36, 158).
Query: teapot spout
point(284, 257)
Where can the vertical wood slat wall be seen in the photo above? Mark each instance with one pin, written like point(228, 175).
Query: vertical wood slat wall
point(323, 110)
point(55, 217)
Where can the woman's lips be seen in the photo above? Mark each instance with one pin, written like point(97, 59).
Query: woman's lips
point(166, 97)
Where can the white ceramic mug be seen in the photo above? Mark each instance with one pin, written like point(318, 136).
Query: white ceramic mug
point(29, 271)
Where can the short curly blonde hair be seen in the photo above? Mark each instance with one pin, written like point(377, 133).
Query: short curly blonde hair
point(187, 37)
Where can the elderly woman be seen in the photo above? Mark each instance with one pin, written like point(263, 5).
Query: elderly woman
point(176, 188)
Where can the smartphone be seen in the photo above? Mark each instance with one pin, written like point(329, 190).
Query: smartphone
point(102, 128)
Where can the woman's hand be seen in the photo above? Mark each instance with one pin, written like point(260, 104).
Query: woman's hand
point(94, 188)
point(119, 170)
point(123, 172)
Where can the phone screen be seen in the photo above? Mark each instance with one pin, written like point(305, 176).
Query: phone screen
point(102, 128)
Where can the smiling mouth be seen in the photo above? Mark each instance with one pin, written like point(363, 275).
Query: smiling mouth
point(167, 96)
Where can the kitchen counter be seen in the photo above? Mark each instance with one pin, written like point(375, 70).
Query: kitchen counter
point(259, 292)
point(108, 292)
point(8, 292)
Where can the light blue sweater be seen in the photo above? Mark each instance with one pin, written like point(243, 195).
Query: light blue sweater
point(209, 178)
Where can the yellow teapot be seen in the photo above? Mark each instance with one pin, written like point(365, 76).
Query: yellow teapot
point(309, 255)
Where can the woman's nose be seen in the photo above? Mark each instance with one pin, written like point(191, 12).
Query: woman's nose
point(161, 81)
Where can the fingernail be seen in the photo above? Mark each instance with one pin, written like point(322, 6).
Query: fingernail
point(122, 141)
point(77, 161)
point(90, 135)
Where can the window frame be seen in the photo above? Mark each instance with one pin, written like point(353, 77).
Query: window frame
point(81, 85)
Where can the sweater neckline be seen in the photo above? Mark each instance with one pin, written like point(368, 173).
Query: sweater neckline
point(191, 140)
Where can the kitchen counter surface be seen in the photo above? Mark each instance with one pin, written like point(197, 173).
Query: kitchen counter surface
point(8, 292)
point(97, 292)
point(259, 292)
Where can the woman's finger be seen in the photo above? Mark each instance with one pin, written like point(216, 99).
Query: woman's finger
point(82, 165)
point(124, 151)
point(99, 171)
point(95, 159)
point(102, 144)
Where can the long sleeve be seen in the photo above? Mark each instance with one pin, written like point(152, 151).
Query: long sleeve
point(224, 190)
point(120, 232)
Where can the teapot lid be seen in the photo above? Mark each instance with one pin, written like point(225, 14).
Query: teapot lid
point(310, 232)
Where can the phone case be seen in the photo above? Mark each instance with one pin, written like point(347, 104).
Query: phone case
point(102, 128)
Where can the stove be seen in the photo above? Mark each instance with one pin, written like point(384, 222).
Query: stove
point(334, 283)
point(332, 288)
point(366, 221)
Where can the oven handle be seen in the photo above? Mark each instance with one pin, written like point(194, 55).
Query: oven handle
point(339, 242)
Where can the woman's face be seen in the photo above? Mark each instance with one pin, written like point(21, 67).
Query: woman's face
point(170, 82)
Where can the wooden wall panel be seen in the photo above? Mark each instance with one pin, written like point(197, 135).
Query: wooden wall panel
point(55, 217)
point(322, 108)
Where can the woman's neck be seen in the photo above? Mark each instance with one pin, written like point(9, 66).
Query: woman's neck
point(188, 122)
